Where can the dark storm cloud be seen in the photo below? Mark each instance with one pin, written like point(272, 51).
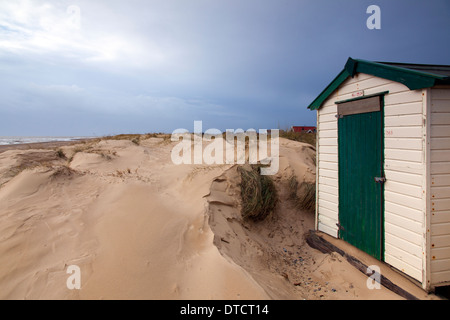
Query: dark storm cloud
point(140, 66)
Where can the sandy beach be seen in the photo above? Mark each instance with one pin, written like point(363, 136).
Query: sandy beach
point(140, 227)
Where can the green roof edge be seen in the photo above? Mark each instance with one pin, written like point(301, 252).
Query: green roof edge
point(317, 103)
point(411, 78)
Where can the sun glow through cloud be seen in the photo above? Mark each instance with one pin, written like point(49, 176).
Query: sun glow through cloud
point(33, 27)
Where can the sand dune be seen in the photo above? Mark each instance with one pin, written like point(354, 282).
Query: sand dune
point(140, 227)
point(134, 223)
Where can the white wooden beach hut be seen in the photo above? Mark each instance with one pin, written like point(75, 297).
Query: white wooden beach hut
point(383, 165)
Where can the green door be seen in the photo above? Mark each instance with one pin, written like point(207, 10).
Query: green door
point(361, 181)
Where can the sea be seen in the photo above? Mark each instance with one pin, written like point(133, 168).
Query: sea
point(20, 140)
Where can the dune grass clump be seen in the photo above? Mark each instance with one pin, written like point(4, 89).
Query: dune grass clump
point(135, 138)
point(258, 193)
point(136, 141)
point(63, 171)
point(60, 154)
point(303, 194)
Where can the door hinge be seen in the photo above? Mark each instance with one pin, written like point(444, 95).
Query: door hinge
point(339, 116)
point(380, 180)
point(340, 227)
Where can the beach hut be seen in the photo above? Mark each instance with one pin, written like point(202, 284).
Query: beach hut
point(383, 165)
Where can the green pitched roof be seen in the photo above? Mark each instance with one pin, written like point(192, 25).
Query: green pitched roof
point(414, 76)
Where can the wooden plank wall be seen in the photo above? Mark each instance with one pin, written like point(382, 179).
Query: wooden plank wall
point(440, 186)
point(405, 199)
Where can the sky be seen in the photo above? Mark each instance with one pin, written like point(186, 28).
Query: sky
point(103, 67)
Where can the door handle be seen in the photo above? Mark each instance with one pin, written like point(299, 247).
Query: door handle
point(340, 227)
point(380, 180)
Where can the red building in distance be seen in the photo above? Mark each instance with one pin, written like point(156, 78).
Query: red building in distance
point(304, 129)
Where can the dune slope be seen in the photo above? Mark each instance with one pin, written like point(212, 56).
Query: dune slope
point(140, 227)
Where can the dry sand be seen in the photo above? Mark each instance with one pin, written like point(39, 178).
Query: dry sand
point(140, 227)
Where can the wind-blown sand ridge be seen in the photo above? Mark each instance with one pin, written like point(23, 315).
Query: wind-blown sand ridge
point(140, 227)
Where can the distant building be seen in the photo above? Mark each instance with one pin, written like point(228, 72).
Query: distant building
point(304, 129)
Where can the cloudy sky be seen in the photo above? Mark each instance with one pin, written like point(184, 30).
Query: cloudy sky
point(98, 67)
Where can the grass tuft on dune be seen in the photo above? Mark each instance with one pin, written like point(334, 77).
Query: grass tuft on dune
point(303, 194)
point(258, 193)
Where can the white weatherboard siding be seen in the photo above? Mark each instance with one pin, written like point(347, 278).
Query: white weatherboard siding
point(405, 198)
point(440, 186)
point(405, 165)
point(327, 146)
